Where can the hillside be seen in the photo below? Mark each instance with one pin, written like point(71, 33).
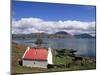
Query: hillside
point(83, 36)
point(60, 34)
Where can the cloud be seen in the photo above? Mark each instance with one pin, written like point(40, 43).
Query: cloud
point(33, 25)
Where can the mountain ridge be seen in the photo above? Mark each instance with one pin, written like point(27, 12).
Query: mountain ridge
point(60, 34)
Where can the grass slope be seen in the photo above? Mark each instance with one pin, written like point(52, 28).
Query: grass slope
point(17, 53)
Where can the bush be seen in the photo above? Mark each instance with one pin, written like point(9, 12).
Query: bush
point(50, 66)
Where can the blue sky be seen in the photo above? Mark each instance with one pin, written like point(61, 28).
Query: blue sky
point(33, 17)
point(48, 11)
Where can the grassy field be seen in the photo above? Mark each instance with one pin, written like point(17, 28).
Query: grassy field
point(18, 50)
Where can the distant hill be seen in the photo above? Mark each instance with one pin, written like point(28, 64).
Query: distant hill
point(83, 36)
point(62, 33)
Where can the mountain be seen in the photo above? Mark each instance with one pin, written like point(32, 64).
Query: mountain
point(62, 33)
point(85, 35)
point(31, 35)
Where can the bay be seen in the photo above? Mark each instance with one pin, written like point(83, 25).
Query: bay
point(84, 47)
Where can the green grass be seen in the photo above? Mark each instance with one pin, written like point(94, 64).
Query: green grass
point(68, 60)
point(64, 60)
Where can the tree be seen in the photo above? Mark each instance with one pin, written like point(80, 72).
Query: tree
point(67, 54)
point(39, 42)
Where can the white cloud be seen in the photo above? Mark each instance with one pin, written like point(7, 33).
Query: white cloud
point(33, 25)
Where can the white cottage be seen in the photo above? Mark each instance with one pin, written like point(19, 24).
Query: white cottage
point(37, 57)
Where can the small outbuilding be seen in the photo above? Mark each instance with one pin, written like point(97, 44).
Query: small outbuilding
point(37, 57)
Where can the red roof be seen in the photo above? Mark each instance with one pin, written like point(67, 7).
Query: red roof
point(36, 54)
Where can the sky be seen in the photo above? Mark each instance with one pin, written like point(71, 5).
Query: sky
point(32, 17)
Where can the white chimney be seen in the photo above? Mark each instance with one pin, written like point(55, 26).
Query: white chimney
point(49, 56)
